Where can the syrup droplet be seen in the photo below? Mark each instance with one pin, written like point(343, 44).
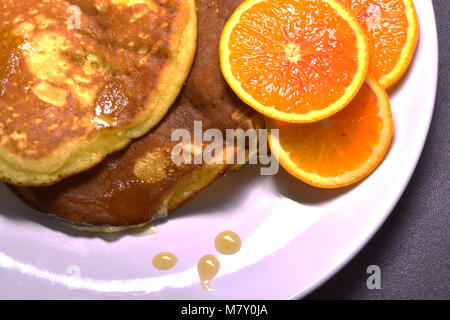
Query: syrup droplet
point(228, 242)
point(164, 261)
point(208, 267)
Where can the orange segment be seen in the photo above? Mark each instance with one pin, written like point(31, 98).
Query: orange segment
point(392, 31)
point(342, 149)
point(294, 60)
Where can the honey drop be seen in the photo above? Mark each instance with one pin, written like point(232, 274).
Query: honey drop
point(208, 267)
point(164, 261)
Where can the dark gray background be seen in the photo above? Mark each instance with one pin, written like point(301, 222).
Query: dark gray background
point(413, 247)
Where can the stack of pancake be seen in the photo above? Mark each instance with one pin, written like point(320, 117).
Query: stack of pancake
point(90, 94)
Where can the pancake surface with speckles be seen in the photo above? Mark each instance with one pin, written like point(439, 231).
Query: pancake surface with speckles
point(80, 79)
point(141, 183)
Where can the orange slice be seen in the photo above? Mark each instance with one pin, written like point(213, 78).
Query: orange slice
point(294, 60)
point(341, 150)
point(392, 31)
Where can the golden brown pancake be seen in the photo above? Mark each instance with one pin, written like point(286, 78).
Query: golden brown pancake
point(141, 183)
point(80, 79)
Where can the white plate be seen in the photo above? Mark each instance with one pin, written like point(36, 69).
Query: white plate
point(294, 237)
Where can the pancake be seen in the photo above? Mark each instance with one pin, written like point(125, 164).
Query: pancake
point(80, 79)
point(141, 184)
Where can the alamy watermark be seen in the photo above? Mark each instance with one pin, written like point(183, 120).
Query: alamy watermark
point(74, 20)
point(374, 280)
point(74, 271)
point(236, 147)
